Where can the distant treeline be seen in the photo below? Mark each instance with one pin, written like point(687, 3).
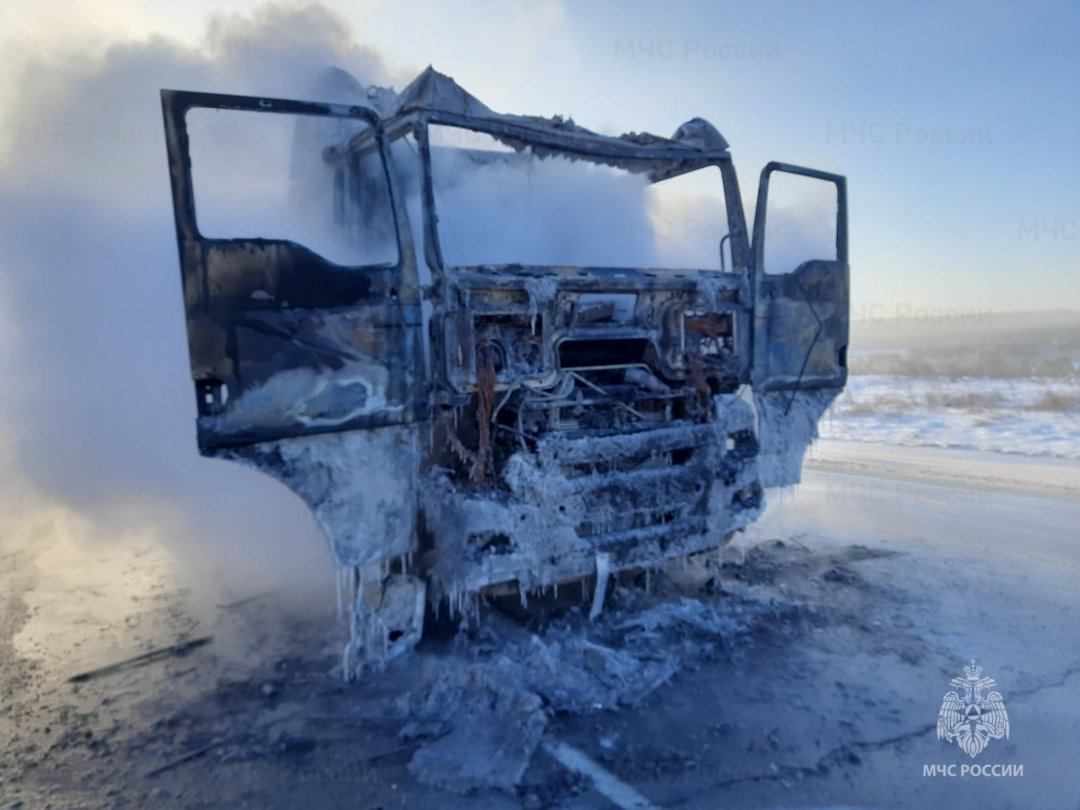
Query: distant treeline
point(1026, 356)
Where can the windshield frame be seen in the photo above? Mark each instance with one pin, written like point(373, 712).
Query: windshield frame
point(657, 161)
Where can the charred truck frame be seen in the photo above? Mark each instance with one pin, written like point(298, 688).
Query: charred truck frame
point(461, 427)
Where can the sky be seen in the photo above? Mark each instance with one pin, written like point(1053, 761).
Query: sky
point(956, 123)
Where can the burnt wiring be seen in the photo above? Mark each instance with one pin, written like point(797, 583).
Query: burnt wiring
point(479, 461)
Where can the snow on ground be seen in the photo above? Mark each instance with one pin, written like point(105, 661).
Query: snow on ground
point(1024, 416)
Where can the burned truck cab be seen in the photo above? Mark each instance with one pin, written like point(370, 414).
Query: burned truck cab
point(494, 351)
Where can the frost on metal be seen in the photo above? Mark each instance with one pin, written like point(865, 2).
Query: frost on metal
point(503, 396)
point(787, 426)
point(360, 486)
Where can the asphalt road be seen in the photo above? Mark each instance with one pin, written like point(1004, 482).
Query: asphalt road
point(878, 579)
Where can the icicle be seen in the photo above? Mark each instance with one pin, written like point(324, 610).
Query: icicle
point(337, 587)
point(603, 573)
point(345, 655)
point(533, 309)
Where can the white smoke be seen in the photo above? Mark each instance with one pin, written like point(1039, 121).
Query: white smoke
point(97, 413)
point(559, 211)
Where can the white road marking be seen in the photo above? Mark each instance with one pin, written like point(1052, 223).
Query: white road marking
point(613, 789)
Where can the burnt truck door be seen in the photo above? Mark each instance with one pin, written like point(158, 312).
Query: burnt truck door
point(801, 310)
point(291, 336)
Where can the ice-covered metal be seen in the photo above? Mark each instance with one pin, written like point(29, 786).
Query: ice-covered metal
point(460, 427)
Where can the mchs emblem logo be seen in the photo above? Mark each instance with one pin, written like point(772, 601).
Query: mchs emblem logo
point(972, 719)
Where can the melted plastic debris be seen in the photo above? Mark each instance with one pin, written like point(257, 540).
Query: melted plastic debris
point(492, 730)
point(485, 711)
point(575, 675)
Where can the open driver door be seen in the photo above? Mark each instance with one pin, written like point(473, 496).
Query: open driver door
point(290, 337)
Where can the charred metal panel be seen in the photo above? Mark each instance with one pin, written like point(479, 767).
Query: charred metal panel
point(533, 312)
point(802, 328)
point(801, 318)
point(284, 342)
point(367, 518)
point(571, 412)
point(800, 340)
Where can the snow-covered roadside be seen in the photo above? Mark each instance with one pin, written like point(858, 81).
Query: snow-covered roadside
point(1027, 417)
point(986, 472)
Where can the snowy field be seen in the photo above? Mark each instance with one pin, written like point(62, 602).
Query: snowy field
point(1035, 417)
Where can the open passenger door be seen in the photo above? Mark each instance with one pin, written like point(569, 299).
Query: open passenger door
point(801, 305)
point(284, 341)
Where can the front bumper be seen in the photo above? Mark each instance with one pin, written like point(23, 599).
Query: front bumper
point(640, 497)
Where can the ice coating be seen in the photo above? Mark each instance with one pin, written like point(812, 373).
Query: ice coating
point(359, 485)
point(787, 426)
point(459, 430)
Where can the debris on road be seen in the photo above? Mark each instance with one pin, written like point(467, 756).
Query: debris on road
point(178, 649)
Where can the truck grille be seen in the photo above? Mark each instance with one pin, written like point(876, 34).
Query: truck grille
point(651, 479)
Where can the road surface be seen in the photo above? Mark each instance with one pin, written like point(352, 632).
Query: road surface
point(875, 582)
